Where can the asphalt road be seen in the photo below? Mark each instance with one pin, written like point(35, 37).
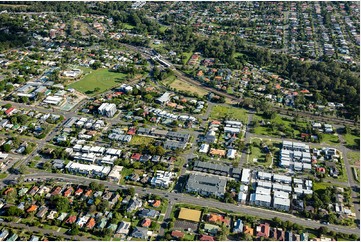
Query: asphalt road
point(44, 231)
point(205, 202)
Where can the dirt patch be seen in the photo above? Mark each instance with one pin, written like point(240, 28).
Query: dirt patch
point(184, 86)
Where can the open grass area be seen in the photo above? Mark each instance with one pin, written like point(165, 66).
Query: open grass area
point(187, 56)
point(353, 157)
point(127, 26)
point(281, 126)
point(330, 139)
point(101, 78)
point(321, 185)
point(3, 175)
point(352, 140)
point(184, 86)
point(219, 112)
point(163, 29)
point(139, 140)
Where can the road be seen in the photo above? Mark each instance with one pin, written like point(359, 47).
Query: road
point(44, 231)
point(205, 202)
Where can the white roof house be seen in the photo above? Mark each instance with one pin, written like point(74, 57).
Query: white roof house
point(231, 153)
point(246, 175)
point(264, 175)
point(114, 175)
point(204, 148)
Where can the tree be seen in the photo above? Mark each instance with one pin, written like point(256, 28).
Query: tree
point(160, 151)
point(61, 203)
point(103, 205)
point(97, 89)
point(323, 230)
point(14, 211)
point(74, 230)
point(7, 148)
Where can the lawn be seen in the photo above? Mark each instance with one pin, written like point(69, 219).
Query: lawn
point(187, 56)
point(127, 26)
point(139, 140)
point(186, 87)
point(330, 139)
point(219, 112)
point(188, 237)
point(352, 140)
point(353, 157)
point(3, 175)
point(101, 78)
point(163, 29)
point(321, 185)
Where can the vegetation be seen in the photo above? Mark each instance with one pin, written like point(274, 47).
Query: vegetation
point(98, 81)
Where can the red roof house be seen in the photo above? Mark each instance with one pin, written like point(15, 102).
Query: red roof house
point(263, 230)
point(206, 238)
point(10, 111)
point(177, 234)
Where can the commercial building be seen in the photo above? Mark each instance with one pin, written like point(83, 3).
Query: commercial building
point(206, 185)
point(107, 109)
point(88, 169)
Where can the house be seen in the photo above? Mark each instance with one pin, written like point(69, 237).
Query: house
point(91, 223)
point(13, 237)
point(42, 211)
point(263, 230)
point(134, 204)
point(82, 220)
point(68, 191)
point(10, 111)
point(204, 148)
point(217, 218)
point(140, 233)
point(164, 99)
point(123, 228)
point(238, 226)
point(33, 190)
point(231, 153)
point(114, 174)
point(56, 191)
point(156, 203)
point(177, 234)
point(162, 179)
point(146, 222)
point(52, 214)
point(62, 216)
point(217, 152)
point(32, 208)
point(34, 238)
point(211, 229)
point(4, 233)
point(148, 213)
point(71, 219)
point(279, 234)
point(246, 176)
point(204, 237)
point(78, 192)
point(248, 230)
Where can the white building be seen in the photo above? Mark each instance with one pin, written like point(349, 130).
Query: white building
point(246, 176)
point(162, 179)
point(231, 153)
point(114, 175)
point(107, 109)
point(204, 148)
point(87, 169)
point(53, 100)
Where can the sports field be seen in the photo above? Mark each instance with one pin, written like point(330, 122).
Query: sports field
point(101, 78)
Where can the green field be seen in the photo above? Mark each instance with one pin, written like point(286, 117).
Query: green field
point(127, 26)
point(3, 175)
point(330, 139)
point(101, 78)
point(353, 157)
point(187, 56)
point(219, 112)
point(321, 185)
point(352, 140)
point(139, 140)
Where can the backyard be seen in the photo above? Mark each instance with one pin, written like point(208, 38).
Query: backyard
point(98, 81)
